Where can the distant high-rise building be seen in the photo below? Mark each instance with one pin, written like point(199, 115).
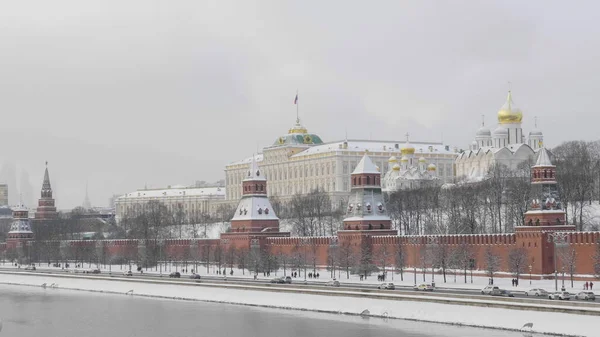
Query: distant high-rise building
point(3, 195)
point(8, 176)
point(26, 189)
point(86, 201)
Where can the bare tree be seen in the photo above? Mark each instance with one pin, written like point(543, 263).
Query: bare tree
point(492, 262)
point(596, 260)
point(517, 261)
point(568, 257)
point(399, 260)
point(346, 257)
point(383, 256)
point(441, 257)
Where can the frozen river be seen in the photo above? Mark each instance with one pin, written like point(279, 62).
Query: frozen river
point(34, 312)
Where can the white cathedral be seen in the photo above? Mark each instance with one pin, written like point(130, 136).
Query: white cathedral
point(410, 173)
point(507, 145)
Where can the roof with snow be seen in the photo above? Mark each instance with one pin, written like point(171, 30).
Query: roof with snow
point(254, 173)
point(543, 159)
point(255, 208)
point(207, 192)
point(375, 146)
point(365, 165)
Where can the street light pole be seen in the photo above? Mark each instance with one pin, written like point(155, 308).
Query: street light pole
point(432, 242)
point(414, 241)
point(530, 267)
point(559, 240)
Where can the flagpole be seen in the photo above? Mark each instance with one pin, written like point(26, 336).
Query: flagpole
point(297, 106)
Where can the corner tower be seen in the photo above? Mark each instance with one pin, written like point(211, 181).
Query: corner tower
point(20, 233)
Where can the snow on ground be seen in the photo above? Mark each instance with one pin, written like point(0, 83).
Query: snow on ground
point(547, 322)
point(478, 283)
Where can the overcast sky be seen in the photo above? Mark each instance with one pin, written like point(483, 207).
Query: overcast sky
point(122, 94)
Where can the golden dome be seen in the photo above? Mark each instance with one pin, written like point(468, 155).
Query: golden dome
point(298, 128)
point(509, 113)
point(404, 159)
point(407, 149)
point(396, 167)
point(431, 167)
point(422, 160)
point(393, 159)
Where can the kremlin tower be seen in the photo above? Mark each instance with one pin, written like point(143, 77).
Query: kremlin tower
point(46, 209)
point(366, 208)
point(254, 217)
point(20, 232)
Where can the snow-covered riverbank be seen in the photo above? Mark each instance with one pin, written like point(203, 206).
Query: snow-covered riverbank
point(546, 322)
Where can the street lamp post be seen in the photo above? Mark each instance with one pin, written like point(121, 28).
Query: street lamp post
point(559, 240)
point(255, 247)
point(530, 268)
point(29, 243)
point(414, 241)
point(161, 243)
point(333, 248)
point(304, 242)
point(432, 242)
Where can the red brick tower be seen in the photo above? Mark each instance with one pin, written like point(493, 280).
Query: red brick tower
point(20, 233)
point(545, 216)
point(366, 208)
point(46, 209)
point(254, 217)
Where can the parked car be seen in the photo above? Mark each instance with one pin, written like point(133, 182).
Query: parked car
point(278, 280)
point(424, 287)
point(585, 295)
point(128, 273)
point(559, 295)
point(288, 279)
point(175, 274)
point(333, 283)
point(490, 290)
point(195, 276)
point(536, 292)
point(30, 268)
point(387, 286)
point(96, 271)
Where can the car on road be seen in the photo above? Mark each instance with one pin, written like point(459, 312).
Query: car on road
point(387, 286)
point(278, 280)
point(333, 283)
point(288, 279)
point(559, 295)
point(536, 292)
point(175, 274)
point(96, 271)
point(128, 273)
point(423, 287)
point(195, 276)
point(491, 290)
point(585, 295)
point(30, 268)
point(504, 293)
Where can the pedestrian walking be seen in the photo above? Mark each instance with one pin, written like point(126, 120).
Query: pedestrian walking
point(586, 285)
point(591, 285)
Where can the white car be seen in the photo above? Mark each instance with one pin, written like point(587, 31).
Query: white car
point(424, 287)
point(388, 286)
point(128, 273)
point(490, 290)
point(559, 295)
point(536, 292)
point(586, 295)
point(333, 283)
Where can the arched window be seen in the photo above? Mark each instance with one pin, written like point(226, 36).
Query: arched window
point(370, 226)
point(368, 180)
point(545, 174)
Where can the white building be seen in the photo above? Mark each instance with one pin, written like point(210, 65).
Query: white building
point(191, 200)
point(299, 162)
point(507, 145)
point(409, 173)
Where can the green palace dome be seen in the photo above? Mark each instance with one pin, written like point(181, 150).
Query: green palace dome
point(298, 135)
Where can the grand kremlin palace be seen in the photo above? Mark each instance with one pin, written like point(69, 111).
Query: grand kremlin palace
point(299, 162)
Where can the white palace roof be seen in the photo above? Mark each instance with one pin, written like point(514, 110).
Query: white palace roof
point(177, 191)
point(374, 146)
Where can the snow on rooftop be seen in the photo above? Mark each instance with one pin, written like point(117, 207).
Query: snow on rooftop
point(375, 146)
point(365, 165)
point(543, 159)
point(214, 192)
point(258, 158)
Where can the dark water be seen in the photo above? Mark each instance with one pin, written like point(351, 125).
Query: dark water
point(32, 311)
